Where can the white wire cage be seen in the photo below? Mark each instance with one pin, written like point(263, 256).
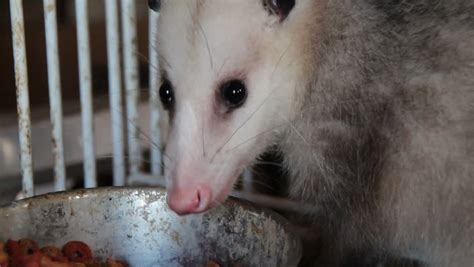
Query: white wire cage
point(128, 129)
point(130, 126)
point(125, 108)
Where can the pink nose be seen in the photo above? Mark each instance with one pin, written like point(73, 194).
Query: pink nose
point(189, 200)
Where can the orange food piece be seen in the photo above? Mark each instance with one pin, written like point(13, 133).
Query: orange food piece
point(94, 263)
point(28, 246)
point(54, 253)
point(4, 259)
point(26, 253)
point(13, 250)
point(48, 262)
point(30, 260)
point(12, 247)
point(3, 255)
point(212, 264)
point(77, 251)
point(114, 263)
point(23, 253)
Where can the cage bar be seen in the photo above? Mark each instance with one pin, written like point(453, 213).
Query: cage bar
point(115, 91)
point(85, 77)
point(247, 180)
point(23, 102)
point(155, 136)
point(132, 87)
point(54, 82)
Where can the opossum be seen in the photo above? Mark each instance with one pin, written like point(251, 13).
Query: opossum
point(370, 102)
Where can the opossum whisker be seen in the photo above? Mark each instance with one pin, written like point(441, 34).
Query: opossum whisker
point(236, 130)
point(162, 59)
point(280, 59)
point(220, 183)
point(202, 137)
point(151, 143)
point(241, 125)
point(256, 136)
point(110, 156)
point(277, 203)
point(257, 109)
point(163, 153)
point(262, 184)
point(296, 130)
point(144, 135)
point(222, 67)
point(201, 29)
point(147, 138)
point(144, 58)
point(277, 181)
point(318, 103)
point(252, 138)
point(203, 33)
point(270, 163)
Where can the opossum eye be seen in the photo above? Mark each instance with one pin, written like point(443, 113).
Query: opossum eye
point(154, 5)
point(167, 95)
point(281, 8)
point(233, 94)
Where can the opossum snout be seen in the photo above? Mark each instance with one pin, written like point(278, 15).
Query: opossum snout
point(189, 199)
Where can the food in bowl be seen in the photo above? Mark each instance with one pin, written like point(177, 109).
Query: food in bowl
point(27, 253)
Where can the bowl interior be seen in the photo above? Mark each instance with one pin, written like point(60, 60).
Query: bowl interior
point(136, 225)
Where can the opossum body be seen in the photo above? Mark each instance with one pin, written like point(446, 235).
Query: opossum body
point(371, 103)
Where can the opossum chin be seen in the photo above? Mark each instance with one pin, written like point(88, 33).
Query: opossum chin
point(224, 192)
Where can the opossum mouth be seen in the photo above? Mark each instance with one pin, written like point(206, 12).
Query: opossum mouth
point(224, 192)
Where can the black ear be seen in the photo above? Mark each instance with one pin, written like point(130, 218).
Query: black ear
point(280, 8)
point(154, 5)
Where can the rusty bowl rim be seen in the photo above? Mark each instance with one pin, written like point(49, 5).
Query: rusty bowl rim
point(73, 194)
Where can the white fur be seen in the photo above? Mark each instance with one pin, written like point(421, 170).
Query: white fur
point(204, 147)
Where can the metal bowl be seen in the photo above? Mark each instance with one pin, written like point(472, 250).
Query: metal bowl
point(136, 225)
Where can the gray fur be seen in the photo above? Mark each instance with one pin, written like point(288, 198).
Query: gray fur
point(384, 143)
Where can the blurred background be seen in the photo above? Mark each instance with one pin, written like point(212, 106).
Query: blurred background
point(10, 180)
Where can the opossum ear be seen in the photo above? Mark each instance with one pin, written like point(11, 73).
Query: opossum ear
point(281, 8)
point(154, 5)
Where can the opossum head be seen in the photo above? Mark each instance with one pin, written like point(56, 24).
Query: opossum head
point(231, 71)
